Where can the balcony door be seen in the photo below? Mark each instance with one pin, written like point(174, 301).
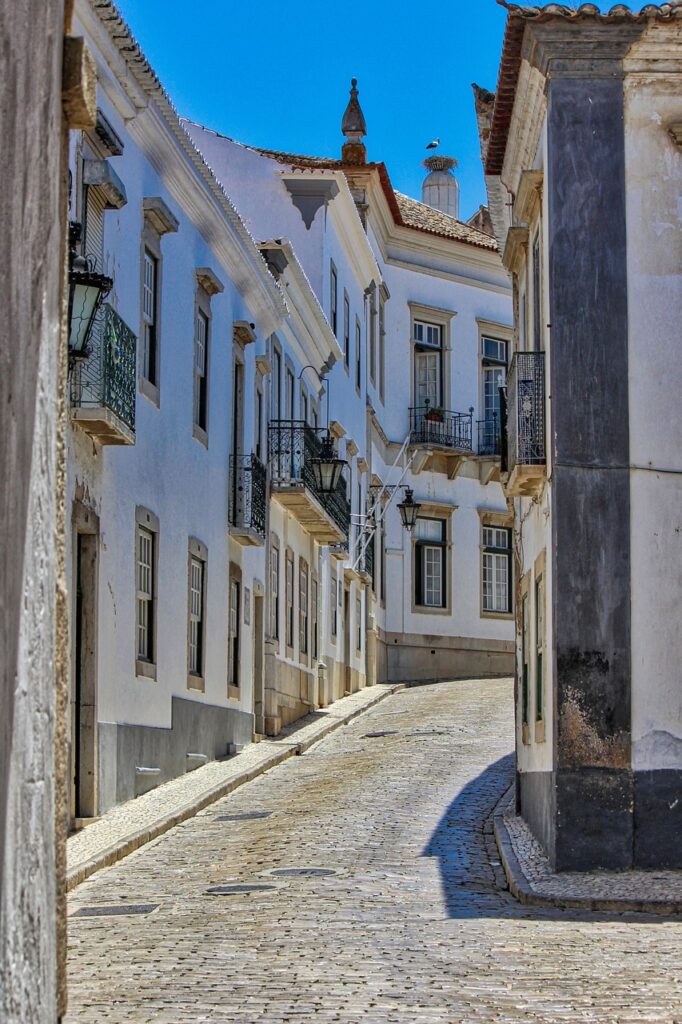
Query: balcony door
point(428, 364)
point(494, 377)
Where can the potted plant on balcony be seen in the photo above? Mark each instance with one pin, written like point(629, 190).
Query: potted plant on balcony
point(434, 414)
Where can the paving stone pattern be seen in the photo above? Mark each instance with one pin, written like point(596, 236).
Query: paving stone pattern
point(601, 887)
point(132, 824)
point(415, 927)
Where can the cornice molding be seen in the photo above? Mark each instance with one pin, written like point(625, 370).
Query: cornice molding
point(515, 248)
point(158, 216)
point(528, 197)
point(209, 281)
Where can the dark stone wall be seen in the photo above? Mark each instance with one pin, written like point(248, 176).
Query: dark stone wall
point(591, 525)
point(195, 728)
point(658, 819)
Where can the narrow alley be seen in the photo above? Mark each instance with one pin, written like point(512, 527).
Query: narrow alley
point(375, 896)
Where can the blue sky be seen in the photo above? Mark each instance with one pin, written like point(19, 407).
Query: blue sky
point(277, 75)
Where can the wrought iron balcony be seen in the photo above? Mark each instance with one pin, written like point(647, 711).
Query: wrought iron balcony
point(489, 436)
point(431, 426)
point(526, 423)
point(103, 383)
point(248, 498)
point(292, 447)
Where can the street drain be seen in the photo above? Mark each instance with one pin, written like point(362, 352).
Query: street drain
point(378, 735)
point(117, 911)
point(235, 890)
point(302, 872)
point(248, 816)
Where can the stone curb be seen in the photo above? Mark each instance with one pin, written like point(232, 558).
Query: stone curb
point(523, 891)
point(134, 840)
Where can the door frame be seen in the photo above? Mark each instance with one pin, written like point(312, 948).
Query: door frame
point(83, 753)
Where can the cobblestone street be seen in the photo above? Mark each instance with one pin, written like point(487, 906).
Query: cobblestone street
point(412, 924)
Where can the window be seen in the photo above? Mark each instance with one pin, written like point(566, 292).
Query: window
point(302, 608)
point(346, 330)
point(428, 363)
point(150, 318)
point(382, 342)
point(525, 654)
point(258, 422)
point(373, 334)
point(274, 589)
point(497, 569)
point(358, 623)
point(539, 644)
point(382, 571)
point(304, 407)
point(333, 609)
point(314, 628)
point(233, 633)
point(145, 595)
point(358, 354)
point(494, 372)
point(430, 551)
point(289, 395)
point(290, 598)
point(333, 299)
point(276, 384)
point(197, 573)
point(537, 295)
point(201, 370)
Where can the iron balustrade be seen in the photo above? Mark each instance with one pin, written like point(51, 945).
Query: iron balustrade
point(432, 426)
point(106, 377)
point(526, 410)
point(248, 493)
point(489, 436)
point(293, 445)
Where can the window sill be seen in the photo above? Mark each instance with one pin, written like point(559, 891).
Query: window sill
point(540, 736)
point(200, 434)
point(507, 616)
point(233, 693)
point(150, 391)
point(425, 609)
point(146, 669)
point(525, 734)
point(195, 682)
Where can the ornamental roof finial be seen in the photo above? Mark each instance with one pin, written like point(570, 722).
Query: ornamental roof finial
point(354, 128)
point(353, 125)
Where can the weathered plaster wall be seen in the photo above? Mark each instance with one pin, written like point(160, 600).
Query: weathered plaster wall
point(31, 264)
point(654, 224)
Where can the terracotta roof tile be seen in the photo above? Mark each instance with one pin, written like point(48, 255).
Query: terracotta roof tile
point(407, 212)
point(425, 218)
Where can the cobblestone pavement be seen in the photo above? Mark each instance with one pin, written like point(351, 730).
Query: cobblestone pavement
point(413, 928)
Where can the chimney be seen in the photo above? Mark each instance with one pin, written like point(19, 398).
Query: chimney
point(440, 189)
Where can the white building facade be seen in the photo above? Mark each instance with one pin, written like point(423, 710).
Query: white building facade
point(217, 594)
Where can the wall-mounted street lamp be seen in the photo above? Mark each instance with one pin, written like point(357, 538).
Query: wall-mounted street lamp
point(327, 466)
point(87, 289)
point(409, 510)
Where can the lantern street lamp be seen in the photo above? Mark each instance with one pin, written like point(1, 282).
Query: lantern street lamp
point(87, 289)
point(326, 466)
point(409, 510)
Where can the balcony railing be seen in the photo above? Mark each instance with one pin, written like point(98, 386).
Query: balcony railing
point(432, 426)
point(526, 409)
point(103, 384)
point(489, 436)
point(292, 447)
point(248, 493)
